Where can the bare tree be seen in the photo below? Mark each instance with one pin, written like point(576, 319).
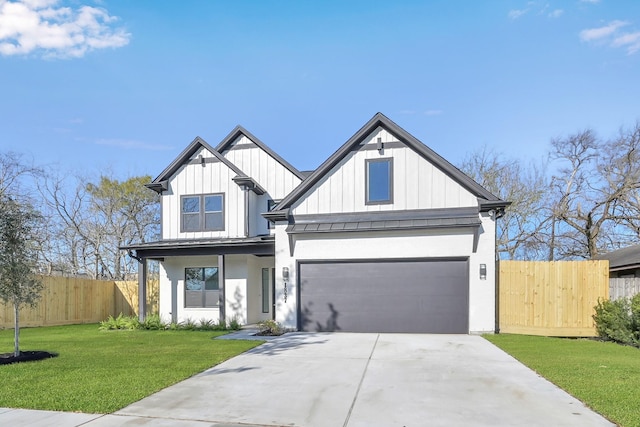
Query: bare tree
point(519, 230)
point(594, 191)
point(621, 169)
point(95, 219)
point(14, 171)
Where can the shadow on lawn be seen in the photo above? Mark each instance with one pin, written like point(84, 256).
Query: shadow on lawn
point(25, 356)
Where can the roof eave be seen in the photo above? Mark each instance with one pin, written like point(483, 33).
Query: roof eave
point(380, 120)
point(240, 130)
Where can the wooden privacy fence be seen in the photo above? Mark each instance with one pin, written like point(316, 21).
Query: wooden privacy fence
point(551, 298)
point(70, 300)
point(623, 287)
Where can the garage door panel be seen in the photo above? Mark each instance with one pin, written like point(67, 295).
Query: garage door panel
point(408, 296)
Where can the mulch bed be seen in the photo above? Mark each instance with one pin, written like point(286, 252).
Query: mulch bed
point(25, 356)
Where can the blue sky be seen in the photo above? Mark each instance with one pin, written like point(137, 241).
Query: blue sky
point(123, 86)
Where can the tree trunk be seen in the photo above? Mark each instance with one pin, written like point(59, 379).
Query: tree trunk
point(16, 325)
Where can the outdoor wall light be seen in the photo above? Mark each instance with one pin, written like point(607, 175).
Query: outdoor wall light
point(483, 271)
point(285, 273)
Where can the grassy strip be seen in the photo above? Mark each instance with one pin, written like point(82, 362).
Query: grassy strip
point(103, 371)
point(604, 375)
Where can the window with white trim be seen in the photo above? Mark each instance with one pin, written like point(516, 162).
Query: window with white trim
point(201, 288)
point(202, 212)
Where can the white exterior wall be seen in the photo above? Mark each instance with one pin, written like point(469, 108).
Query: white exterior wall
point(171, 304)
point(276, 179)
point(417, 184)
point(409, 244)
point(236, 282)
point(243, 283)
point(197, 179)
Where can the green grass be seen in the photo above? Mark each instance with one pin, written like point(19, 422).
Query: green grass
point(103, 371)
point(603, 375)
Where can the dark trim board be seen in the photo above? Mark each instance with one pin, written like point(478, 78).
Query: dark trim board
point(425, 295)
point(264, 249)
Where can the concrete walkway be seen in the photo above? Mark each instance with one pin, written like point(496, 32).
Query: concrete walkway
point(355, 380)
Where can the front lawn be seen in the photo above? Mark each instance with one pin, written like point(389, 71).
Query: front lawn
point(103, 371)
point(604, 375)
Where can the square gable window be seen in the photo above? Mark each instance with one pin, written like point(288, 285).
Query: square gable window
point(202, 213)
point(379, 181)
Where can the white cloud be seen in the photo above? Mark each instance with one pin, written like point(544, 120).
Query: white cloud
point(610, 35)
point(630, 41)
point(556, 13)
point(592, 34)
point(50, 30)
point(517, 13)
point(132, 144)
point(590, 1)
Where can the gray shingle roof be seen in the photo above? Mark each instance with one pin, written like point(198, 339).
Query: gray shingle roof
point(625, 257)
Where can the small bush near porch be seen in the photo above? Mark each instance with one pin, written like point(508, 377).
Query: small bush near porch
point(603, 375)
point(103, 371)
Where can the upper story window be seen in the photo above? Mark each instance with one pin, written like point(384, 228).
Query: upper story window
point(379, 181)
point(203, 213)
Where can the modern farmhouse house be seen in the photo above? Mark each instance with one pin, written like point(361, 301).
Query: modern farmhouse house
point(385, 236)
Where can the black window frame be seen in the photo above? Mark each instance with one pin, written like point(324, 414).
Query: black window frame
point(367, 199)
point(203, 298)
point(202, 212)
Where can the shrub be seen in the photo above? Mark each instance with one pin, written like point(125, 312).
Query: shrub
point(119, 323)
point(207, 325)
point(614, 320)
point(635, 316)
point(234, 324)
point(189, 324)
point(153, 323)
point(269, 327)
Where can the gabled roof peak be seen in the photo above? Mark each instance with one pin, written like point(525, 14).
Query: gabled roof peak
point(226, 143)
point(159, 184)
point(380, 120)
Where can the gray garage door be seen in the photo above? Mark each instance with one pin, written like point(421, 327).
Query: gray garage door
point(426, 296)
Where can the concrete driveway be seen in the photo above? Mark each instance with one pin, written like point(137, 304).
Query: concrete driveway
point(343, 379)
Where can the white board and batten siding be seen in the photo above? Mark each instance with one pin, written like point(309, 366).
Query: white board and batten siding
point(276, 179)
point(198, 179)
point(417, 184)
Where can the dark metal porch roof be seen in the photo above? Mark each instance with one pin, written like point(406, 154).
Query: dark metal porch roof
point(385, 221)
point(260, 245)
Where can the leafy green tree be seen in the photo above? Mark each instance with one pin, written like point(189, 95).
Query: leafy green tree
point(18, 258)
